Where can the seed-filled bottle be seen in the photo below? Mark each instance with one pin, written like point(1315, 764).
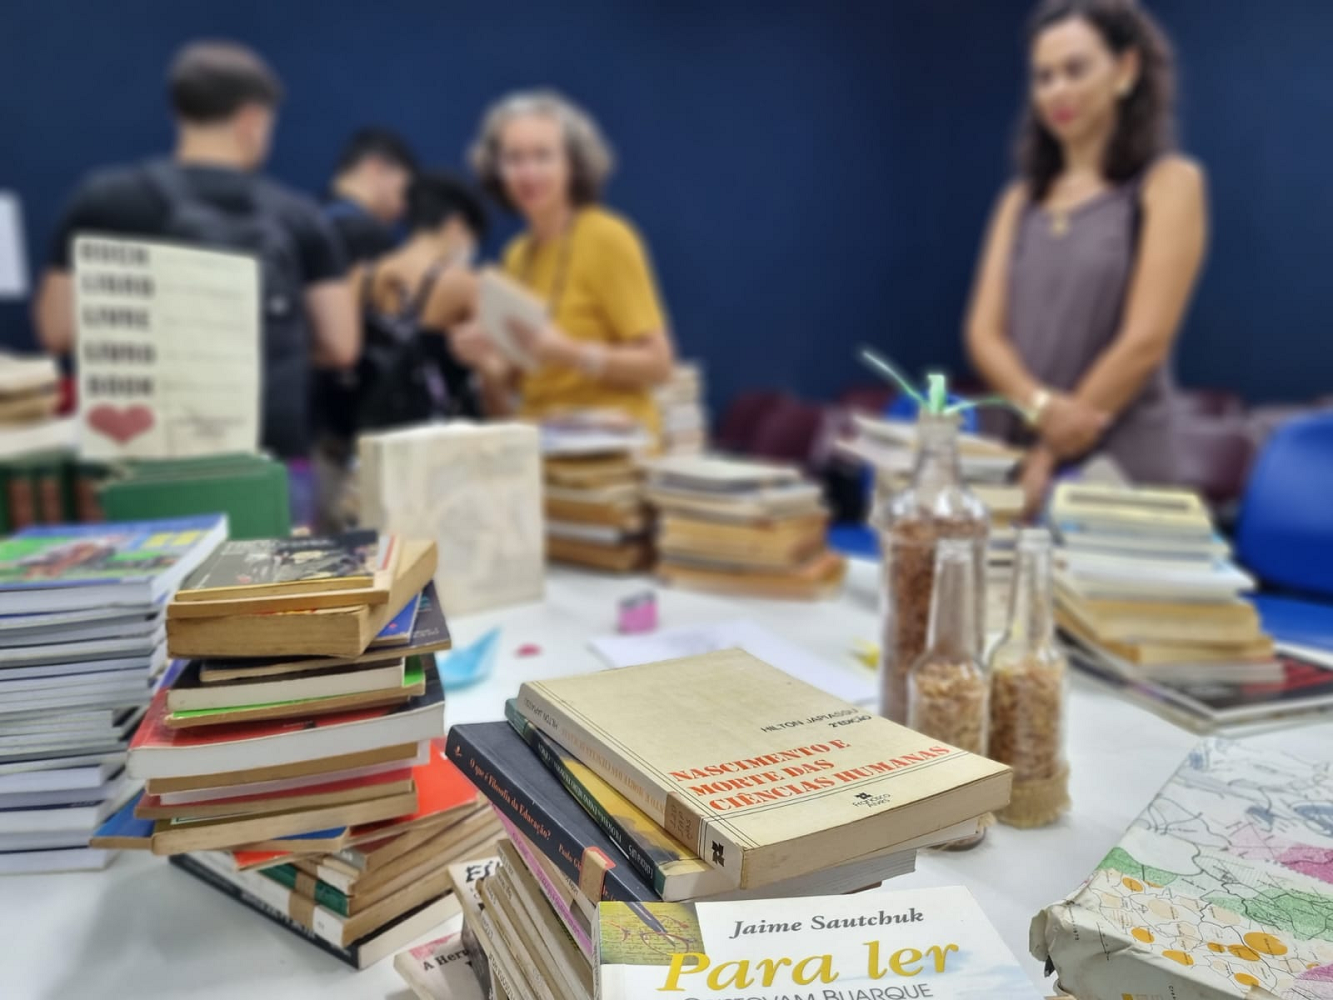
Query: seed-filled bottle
point(1030, 692)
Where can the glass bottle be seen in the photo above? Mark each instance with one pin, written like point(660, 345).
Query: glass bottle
point(935, 505)
point(1030, 692)
point(948, 692)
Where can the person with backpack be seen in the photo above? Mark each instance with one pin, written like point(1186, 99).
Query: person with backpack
point(410, 299)
point(210, 193)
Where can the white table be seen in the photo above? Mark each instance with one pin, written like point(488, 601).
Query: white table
point(141, 929)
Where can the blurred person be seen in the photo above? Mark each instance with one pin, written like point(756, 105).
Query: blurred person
point(607, 342)
point(368, 194)
point(210, 193)
point(1092, 254)
point(409, 299)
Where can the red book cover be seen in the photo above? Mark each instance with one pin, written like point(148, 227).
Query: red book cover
point(440, 788)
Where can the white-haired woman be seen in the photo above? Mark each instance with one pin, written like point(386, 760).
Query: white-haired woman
point(606, 344)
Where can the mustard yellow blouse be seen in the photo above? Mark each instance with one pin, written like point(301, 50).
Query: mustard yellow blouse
point(600, 287)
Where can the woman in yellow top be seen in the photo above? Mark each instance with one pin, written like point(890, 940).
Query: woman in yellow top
point(607, 342)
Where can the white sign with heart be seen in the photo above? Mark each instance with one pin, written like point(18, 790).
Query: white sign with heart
point(168, 349)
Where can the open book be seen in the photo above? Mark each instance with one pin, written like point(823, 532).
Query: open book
point(502, 300)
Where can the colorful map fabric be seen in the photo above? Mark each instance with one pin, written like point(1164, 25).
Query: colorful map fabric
point(1222, 888)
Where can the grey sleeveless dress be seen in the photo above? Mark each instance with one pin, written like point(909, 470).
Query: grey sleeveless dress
point(1067, 293)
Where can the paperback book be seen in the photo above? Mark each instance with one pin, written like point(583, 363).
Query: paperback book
point(933, 943)
point(755, 762)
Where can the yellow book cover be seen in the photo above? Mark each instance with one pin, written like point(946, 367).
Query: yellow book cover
point(760, 773)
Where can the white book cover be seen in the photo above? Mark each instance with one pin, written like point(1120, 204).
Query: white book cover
point(476, 489)
point(440, 969)
point(501, 301)
point(168, 347)
point(927, 943)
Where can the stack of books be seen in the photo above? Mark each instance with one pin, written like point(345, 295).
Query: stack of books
point(40, 474)
point(742, 527)
point(593, 493)
point(1146, 588)
point(291, 762)
point(81, 642)
point(601, 803)
point(987, 466)
point(680, 404)
point(29, 391)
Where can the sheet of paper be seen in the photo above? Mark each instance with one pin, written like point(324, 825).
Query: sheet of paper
point(849, 682)
point(168, 349)
point(13, 256)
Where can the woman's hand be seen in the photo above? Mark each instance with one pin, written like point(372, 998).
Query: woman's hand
point(1035, 480)
point(545, 344)
point(472, 346)
point(1070, 427)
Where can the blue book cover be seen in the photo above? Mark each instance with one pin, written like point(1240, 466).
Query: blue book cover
point(123, 831)
point(399, 629)
point(74, 555)
point(495, 759)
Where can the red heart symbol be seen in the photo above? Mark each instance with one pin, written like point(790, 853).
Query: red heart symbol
point(121, 425)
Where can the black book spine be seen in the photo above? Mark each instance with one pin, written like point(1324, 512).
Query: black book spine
point(562, 839)
point(186, 863)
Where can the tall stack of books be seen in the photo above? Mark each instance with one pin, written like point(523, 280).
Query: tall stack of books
point(680, 404)
point(291, 762)
point(601, 803)
point(743, 527)
point(987, 465)
point(1146, 589)
point(81, 642)
point(593, 493)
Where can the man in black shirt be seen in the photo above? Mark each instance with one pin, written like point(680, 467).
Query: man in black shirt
point(368, 196)
point(210, 193)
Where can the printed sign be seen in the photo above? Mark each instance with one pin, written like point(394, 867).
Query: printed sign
point(168, 349)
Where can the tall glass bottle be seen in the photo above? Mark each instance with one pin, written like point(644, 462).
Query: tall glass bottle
point(1029, 696)
point(948, 692)
point(936, 505)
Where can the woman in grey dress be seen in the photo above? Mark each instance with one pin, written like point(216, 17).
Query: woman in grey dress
point(1093, 252)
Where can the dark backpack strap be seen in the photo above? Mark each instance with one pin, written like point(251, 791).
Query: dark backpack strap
point(168, 181)
point(417, 305)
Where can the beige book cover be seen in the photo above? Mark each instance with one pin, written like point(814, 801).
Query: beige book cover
point(756, 770)
point(474, 488)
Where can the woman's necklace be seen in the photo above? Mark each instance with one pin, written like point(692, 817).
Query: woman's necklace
point(1059, 221)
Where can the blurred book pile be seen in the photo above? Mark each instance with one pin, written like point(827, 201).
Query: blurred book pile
point(1148, 597)
point(41, 479)
point(586, 820)
point(81, 643)
point(593, 492)
point(987, 466)
point(680, 404)
point(740, 526)
point(291, 760)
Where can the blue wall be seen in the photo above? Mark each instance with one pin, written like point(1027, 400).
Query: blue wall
point(809, 175)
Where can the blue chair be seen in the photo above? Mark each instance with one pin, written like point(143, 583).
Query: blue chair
point(1285, 532)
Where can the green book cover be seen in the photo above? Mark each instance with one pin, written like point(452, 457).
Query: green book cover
point(413, 674)
point(325, 895)
point(254, 495)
